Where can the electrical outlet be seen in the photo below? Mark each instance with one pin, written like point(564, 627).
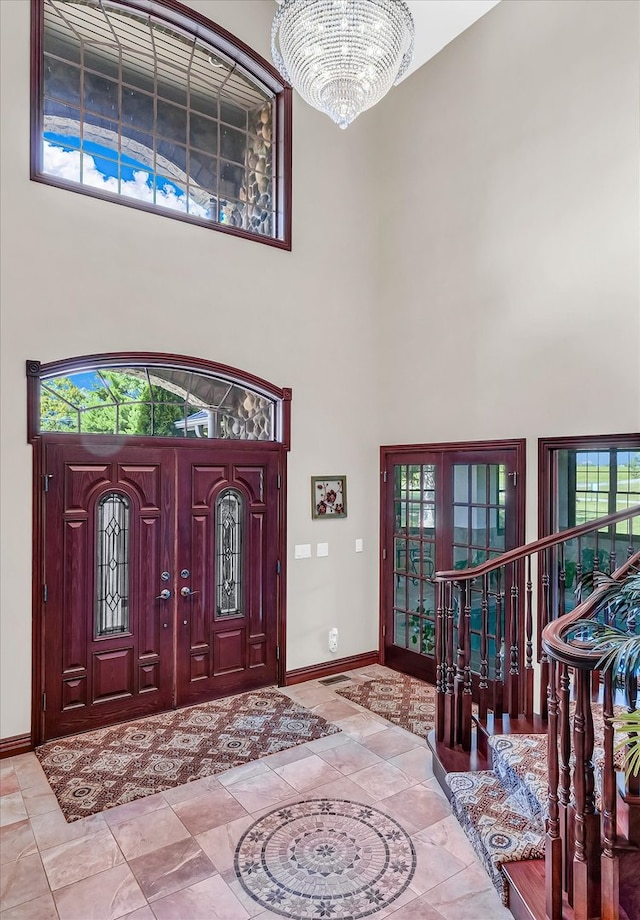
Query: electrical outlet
point(359, 545)
point(333, 639)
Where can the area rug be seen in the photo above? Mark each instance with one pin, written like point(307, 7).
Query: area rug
point(404, 700)
point(111, 766)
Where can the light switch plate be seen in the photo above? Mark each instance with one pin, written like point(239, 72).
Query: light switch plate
point(323, 549)
point(359, 546)
point(302, 551)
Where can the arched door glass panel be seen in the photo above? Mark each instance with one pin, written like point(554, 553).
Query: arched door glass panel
point(167, 402)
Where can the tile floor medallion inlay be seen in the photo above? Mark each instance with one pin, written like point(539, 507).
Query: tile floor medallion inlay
point(325, 858)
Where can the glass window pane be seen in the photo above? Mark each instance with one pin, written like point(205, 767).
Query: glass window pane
point(229, 562)
point(460, 482)
point(160, 88)
point(112, 565)
point(163, 401)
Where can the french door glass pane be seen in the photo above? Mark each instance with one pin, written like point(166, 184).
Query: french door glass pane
point(414, 556)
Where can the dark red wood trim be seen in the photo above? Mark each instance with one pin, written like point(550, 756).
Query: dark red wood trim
point(519, 444)
point(193, 23)
point(282, 578)
point(327, 668)
point(546, 469)
point(37, 582)
point(17, 744)
point(35, 371)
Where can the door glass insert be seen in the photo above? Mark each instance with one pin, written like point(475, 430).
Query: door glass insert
point(229, 553)
point(414, 557)
point(112, 578)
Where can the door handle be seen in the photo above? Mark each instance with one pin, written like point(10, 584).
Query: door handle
point(164, 595)
point(187, 592)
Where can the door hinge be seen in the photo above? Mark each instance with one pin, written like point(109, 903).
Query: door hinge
point(384, 632)
point(44, 702)
point(278, 567)
point(279, 481)
point(384, 554)
point(384, 476)
point(277, 653)
point(45, 593)
point(46, 478)
point(514, 476)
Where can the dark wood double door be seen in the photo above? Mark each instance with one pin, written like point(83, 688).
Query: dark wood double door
point(161, 583)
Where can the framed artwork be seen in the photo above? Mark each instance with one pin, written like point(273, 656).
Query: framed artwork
point(328, 496)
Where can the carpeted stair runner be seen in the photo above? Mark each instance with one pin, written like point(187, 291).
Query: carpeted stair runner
point(503, 810)
point(497, 822)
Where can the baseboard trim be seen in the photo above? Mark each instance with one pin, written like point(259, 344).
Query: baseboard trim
point(327, 668)
point(17, 744)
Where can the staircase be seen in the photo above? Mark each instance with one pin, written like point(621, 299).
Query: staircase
point(542, 798)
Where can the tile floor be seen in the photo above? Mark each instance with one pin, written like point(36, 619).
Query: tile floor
point(171, 855)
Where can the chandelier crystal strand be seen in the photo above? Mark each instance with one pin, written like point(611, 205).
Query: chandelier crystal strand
point(342, 56)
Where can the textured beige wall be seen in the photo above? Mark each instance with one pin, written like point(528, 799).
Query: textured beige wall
point(463, 255)
point(81, 275)
point(510, 263)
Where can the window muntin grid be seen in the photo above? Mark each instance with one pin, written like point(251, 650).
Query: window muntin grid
point(156, 401)
point(229, 522)
point(112, 565)
point(135, 108)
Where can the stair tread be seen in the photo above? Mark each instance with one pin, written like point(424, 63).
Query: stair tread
point(497, 823)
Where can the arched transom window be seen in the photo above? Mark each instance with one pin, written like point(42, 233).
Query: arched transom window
point(155, 106)
point(158, 401)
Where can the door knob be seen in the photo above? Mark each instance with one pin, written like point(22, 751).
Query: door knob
point(164, 595)
point(187, 592)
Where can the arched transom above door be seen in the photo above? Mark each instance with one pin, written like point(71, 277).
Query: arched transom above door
point(144, 395)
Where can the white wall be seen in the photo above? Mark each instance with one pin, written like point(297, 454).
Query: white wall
point(510, 299)
point(81, 276)
point(465, 265)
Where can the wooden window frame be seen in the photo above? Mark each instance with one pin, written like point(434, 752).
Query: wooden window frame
point(182, 18)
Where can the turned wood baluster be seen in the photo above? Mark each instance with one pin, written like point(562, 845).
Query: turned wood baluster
point(544, 560)
point(528, 688)
point(586, 860)
point(449, 712)
point(466, 688)
point(553, 842)
point(561, 600)
point(463, 592)
point(610, 865)
point(514, 653)
point(484, 661)
point(440, 662)
point(497, 664)
point(564, 726)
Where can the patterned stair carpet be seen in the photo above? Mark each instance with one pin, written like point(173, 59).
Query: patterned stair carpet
point(111, 766)
point(503, 810)
point(403, 700)
point(497, 822)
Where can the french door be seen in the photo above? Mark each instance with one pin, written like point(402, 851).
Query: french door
point(160, 577)
point(443, 508)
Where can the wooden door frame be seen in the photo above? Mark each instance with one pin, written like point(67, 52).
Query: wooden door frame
point(35, 371)
point(519, 445)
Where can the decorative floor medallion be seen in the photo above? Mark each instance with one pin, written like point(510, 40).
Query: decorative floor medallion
point(325, 858)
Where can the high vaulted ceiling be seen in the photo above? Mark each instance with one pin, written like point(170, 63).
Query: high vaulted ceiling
point(439, 21)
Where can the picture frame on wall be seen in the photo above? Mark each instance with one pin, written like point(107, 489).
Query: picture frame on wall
point(328, 497)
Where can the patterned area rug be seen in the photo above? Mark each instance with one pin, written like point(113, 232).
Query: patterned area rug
point(111, 766)
point(403, 700)
point(325, 858)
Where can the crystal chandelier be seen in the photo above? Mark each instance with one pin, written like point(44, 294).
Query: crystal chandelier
point(342, 56)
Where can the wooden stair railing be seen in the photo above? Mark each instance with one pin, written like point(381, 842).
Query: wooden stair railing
point(489, 618)
point(584, 843)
